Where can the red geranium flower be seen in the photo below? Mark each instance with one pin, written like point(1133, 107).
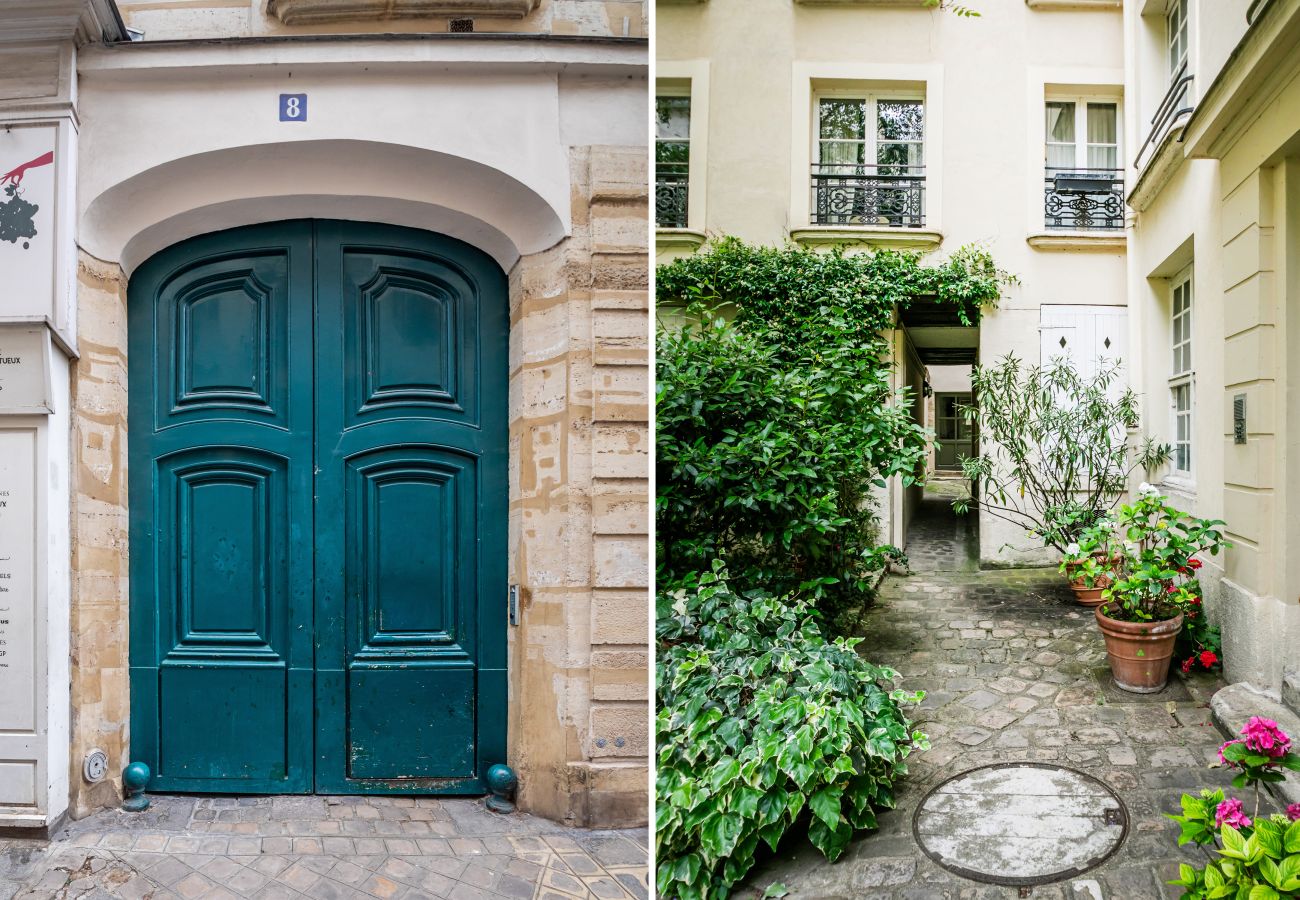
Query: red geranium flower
point(1187, 663)
point(1194, 563)
point(1208, 659)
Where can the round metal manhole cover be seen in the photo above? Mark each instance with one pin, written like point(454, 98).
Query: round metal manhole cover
point(1020, 823)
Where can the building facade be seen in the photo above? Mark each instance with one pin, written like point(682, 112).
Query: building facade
point(1133, 163)
point(886, 124)
point(1214, 277)
point(325, 400)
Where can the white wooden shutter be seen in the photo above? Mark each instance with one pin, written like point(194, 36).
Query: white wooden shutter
point(1085, 334)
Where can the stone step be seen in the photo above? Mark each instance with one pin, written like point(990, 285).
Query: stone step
point(1232, 706)
point(1291, 690)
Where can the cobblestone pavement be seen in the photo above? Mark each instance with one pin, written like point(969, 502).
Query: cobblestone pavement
point(324, 848)
point(1014, 670)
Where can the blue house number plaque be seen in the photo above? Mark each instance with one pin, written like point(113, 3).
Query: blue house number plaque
point(293, 107)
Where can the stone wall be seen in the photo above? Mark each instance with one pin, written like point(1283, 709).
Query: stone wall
point(579, 511)
point(100, 530)
point(580, 503)
point(182, 19)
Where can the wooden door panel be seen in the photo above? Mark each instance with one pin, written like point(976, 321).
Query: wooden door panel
point(221, 506)
point(411, 504)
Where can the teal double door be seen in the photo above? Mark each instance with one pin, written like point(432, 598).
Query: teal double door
point(318, 442)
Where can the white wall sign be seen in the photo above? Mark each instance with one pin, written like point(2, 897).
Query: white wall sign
point(27, 207)
point(17, 583)
point(24, 370)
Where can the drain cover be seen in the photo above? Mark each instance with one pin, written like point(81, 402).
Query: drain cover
point(1020, 823)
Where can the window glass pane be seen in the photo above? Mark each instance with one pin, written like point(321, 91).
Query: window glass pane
point(673, 118)
point(843, 120)
point(899, 155)
point(900, 120)
point(1101, 123)
point(1060, 156)
point(1103, 157)
point(842, 152)
point(1060, 123)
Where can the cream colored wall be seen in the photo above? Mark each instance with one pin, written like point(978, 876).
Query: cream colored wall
point(986, 80)
point(187, 19)
point(1230, 208)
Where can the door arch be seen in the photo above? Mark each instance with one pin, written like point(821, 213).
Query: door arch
point(317, 445)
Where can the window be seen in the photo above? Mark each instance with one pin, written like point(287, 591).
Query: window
point(1180, 382)
point(1084, 183)
point(869, 164)
point(1176, 35)
point(672, 160)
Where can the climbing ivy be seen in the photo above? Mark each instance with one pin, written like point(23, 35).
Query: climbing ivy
point(775, 411)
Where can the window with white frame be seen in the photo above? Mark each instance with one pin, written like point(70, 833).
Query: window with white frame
point(869, 161)
point(1083, 181)
point(1176, 34)
point(1181, 378)
point(672, 160)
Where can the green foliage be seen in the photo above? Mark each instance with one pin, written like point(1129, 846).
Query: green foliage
point(1200, 644)
point(1156, 546)
point(774, 427)
point(1260, 861)
point(760, 719)
point(1055, 456)
point(955, 8)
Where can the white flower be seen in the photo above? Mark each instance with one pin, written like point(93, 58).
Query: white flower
point(1145, 488)
point(1072, 549)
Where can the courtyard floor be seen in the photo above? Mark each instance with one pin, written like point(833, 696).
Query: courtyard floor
point(323, 848)
point(1014, 670)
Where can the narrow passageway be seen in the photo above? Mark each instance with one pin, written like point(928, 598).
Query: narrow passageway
point(938, 538)
point(1014, 671)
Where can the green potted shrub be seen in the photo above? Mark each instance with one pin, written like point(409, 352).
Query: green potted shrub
point(1089, 564)
point(1142, 609)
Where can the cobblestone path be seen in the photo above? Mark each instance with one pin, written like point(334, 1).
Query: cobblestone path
point(324, 848)
point(1014, 670)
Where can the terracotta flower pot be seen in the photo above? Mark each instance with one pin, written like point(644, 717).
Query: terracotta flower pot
point(1087, 596)
point(1139, 652)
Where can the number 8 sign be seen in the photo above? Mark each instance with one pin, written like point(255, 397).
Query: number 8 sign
point(293, 107)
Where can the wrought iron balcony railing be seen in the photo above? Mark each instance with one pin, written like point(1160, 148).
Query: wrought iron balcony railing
point(672, 192)
point(850, 194)
point(1084, 199)
point(1176, 104)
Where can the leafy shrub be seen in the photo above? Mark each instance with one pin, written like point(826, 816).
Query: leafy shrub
point(759, 718)
point(774, 428)
point(768, 465)
point(1056, 456)
point(1200, 644)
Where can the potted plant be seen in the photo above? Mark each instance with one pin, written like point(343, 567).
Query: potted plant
point(1089, 564)
point(1056, 454)
point(1154, 584)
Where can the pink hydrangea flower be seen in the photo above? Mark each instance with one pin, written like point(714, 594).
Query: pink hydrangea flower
point(1293, 812)
point(1230, 812)
point(1263, 736)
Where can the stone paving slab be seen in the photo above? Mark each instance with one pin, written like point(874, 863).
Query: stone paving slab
point(1015, 670)
point(270, 848)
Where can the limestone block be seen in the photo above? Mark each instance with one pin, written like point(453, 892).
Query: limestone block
point(620, 506)
point(621, 450)
point(621, 562)
point(620, 675)
point(615, 722)
point(622, 393)
point(1247, 253)
point(621, 337)
point(1249, 356)
point(619, 617)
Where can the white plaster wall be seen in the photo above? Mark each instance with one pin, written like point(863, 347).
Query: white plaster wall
point(469, 143)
